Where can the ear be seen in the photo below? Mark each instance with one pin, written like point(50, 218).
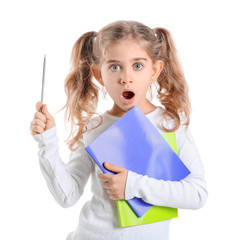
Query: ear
point(157, 68)
point(97, 74)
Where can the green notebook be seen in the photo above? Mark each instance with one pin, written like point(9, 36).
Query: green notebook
point(127, 217)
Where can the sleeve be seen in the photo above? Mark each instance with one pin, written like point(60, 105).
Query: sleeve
point(189, 193)
point(66, 182)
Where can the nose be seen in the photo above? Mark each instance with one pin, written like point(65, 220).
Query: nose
point(126, 78)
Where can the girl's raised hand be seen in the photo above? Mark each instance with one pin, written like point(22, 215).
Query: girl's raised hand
point(42, 121)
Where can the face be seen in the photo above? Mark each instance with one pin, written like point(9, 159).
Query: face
point(127, 72)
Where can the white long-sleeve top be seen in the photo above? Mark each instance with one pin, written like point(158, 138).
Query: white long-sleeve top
point(98, 218)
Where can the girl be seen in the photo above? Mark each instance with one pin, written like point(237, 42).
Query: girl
point(125, 57)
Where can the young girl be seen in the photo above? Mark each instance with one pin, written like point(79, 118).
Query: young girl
point(125, 57)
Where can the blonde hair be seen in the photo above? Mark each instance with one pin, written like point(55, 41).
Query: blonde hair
point(82, 92)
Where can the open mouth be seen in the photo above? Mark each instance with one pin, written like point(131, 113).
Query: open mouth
point(128, 94)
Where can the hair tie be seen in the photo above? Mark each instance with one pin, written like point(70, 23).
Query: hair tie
point(158, 34)
point(94, 35)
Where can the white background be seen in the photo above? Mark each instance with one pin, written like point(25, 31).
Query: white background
point(206, 34)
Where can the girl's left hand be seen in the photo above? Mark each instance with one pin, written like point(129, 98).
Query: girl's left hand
point(114, 183)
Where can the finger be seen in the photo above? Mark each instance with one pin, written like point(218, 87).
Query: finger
point(40, 116)
point(105, 177)
point(110, 191)
point(107, 185)
point(34, 133)
point(36, 129)
point(38, 123)
point(46, 113)
point(113, 197)
point(38, 106)
point(113, 168)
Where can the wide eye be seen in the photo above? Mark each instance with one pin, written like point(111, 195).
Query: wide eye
point(115, 67)
point(138, 66)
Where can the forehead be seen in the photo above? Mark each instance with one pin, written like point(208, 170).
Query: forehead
point(124, 50)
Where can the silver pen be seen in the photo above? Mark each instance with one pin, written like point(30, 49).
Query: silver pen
point(43, 80)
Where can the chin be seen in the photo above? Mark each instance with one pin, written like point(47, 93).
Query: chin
point(120, 109)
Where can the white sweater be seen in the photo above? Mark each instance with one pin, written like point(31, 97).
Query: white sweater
point(98, 218)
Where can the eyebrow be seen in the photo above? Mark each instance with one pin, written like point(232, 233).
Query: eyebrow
point(134, 59)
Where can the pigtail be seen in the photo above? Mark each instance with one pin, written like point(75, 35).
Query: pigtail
point(173, 91)
point(82, 93)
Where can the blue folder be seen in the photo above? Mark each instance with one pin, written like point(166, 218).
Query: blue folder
point(134, 143)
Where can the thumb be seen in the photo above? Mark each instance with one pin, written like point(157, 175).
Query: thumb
point(46, 113)
point(113, 168)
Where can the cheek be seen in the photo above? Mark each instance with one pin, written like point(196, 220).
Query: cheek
point(111, 86)
point(107, 76)
point(110, 79)
point(112, 91)
point(144, 88)
point(146, 81)
point(104, 75)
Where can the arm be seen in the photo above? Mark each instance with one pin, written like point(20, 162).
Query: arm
point(66, 182)
point(189, 193)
